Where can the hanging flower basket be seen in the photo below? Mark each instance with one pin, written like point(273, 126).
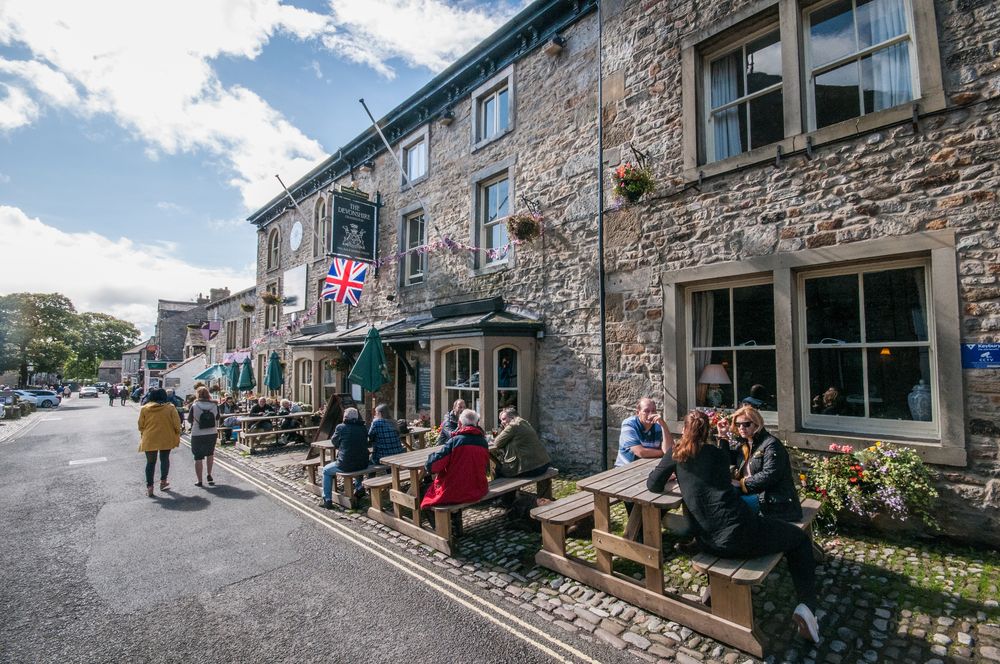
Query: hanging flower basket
point(247, 307)
point(524, 226)
point(342, 364)
point(270, 298)
point(632, 182)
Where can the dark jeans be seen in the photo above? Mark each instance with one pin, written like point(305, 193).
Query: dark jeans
point(507, 499)
point(774, 536)
point(151, 466)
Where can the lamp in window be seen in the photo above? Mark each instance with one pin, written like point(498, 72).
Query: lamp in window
point(714, 375)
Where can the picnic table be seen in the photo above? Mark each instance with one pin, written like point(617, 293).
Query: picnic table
point(405, 490)
point(415, 438)
point(247, 438)
point(729, 619)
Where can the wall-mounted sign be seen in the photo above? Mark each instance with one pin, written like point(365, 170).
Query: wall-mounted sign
point(981, 356)
point(355, 221)
point(157, 366)
point(293, 289)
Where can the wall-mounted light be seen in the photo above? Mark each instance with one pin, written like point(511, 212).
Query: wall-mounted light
point(422, 343)
point(447, 117)
point(555, 45)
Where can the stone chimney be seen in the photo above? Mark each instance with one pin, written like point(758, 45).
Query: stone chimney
point(217, 294)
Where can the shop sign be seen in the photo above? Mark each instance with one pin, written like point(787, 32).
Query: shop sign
point(354, 228)
point(981, 356)
point(153, 366)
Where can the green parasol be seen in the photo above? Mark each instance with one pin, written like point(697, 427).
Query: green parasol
point(234, 375)
point(214, 372)
point(247, 381)
point(274, 375)
point(370, 371)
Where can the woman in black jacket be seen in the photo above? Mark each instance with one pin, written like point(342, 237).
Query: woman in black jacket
point(762, 465)
point(725, 525)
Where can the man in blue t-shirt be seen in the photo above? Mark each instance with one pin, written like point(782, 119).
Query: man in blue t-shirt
point(643, 435)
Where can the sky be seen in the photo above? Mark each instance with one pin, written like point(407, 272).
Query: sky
point(136, 137)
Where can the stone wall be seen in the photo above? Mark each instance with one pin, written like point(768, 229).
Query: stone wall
point(892, 181)
point(229, 309)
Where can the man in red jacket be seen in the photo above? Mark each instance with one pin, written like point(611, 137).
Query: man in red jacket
point(459, 466)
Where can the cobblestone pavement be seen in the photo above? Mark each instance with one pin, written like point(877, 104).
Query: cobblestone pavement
point(882, 600)
point(10, 427)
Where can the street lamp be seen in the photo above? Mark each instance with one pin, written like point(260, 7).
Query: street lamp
point(31, 370)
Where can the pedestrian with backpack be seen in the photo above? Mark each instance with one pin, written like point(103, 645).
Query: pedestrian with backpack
point(203, 416)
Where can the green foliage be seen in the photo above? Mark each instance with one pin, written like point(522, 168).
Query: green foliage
point(81, 368)
point(632, 182)
point(879, 480)
point(104, 337)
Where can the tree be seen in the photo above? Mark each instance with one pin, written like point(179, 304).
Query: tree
point(103, 337)
point(81, 368)
point(38, 329)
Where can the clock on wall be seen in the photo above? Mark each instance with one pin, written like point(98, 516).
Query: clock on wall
point(295, 237)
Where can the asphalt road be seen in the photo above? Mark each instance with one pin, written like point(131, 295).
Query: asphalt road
point(93, 570)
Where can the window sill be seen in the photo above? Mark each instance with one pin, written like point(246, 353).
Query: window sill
point(848, 128)
point(931, 451)
point(492, 139)
point(403, 186)
point(492, 268)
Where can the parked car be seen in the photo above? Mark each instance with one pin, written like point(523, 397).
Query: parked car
point(102, 387)
point(88, 391)
point(45, 398)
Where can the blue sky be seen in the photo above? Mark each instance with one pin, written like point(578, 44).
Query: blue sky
point(130, 158)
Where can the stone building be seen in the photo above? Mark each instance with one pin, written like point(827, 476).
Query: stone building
point(172, 320)
point(821, 237)
point(823, 228)
point(133, 361)
point(234, 315)
point(110, 371)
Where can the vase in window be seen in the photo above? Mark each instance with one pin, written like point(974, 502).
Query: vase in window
point(919, 401)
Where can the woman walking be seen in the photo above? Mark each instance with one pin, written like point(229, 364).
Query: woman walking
point(203, 414)
point(725, 525)
point(160, 432)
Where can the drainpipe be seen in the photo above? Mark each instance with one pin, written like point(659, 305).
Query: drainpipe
point(600, 236)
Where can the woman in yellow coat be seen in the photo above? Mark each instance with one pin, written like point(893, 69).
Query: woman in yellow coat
point(160, 431)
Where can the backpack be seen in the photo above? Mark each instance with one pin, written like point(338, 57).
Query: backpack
point(206, 419)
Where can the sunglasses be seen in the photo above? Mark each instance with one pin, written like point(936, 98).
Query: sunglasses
point(744, 425)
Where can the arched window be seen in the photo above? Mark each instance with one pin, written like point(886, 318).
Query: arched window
point(273, 249)
point(507, 370)
point(321, 228)
point(461, 377)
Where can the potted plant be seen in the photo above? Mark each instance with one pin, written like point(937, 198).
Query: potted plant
point(247, 307)
point(341, 363)
point(270, 298)
point(526, 225)
point(632, 181)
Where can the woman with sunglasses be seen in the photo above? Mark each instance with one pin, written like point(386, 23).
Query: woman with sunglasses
point(763, 468)
point(725, 525)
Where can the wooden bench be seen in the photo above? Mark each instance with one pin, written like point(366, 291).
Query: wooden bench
point(731, 580)
point(248, 440)
point(558, 516)
point(345, 498)
point(378, 487)
point(497, 488)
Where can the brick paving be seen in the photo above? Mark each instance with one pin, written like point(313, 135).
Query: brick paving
point(882, 599)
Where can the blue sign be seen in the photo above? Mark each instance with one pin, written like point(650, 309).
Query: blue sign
point(981, 356)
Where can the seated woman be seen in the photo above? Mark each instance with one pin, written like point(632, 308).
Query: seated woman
point(725, 525)
point(762, 465)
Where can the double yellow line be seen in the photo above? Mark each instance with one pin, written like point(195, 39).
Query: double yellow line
point(551, 646)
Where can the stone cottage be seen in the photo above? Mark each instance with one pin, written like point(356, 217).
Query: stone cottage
point(821, 237)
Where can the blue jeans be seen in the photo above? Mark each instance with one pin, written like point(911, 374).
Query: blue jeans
point(330, 471)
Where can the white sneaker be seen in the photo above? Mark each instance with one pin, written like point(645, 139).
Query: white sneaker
point(806, 622)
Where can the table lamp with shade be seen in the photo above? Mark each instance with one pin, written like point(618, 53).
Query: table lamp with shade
point(714, 375)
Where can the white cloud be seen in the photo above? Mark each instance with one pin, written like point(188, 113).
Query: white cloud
point(120, 277)
point(158, 83)
point(423, 33)
point(316, 69)
point(17, 109)
point(167, 206)
point(4, 178)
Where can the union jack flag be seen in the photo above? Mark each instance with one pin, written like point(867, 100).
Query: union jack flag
point(345, 281)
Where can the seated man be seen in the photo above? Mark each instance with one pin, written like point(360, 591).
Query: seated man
point(384, 435)
point(643, 435)
point(459, 468)
point(517, 450)
point(288, 408)
point(352, 452)
point(450, 421)
point(261, 409)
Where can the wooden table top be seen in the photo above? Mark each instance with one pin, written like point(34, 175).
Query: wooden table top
point(323, 444)
point(260, 418)
point(409, 460)
point(629, 483)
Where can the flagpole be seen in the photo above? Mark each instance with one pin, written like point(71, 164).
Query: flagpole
point(399, 164)
point(292, 198)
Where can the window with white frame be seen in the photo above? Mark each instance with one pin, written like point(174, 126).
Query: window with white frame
point(732, 349)
point(743, 84)
point(415, 160)
point(494, 206)
point(858, 55)
point(507, 370)
point(415, 261)
point(321, 228)
point(305, 375)
point(271, 311)
point(273, 249)
point(494, 113)
point(868, 355)
point(329, 382)
point(325, 311)
point(461, 376)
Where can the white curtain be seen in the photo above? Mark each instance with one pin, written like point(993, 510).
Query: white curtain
point(890, 66)
point(704, 319)
point(725, 88)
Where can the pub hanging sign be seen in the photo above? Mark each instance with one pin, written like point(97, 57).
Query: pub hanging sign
point(355, 221)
